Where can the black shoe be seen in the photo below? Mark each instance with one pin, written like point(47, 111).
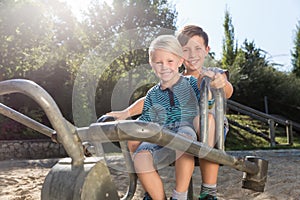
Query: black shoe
point(207, 197)
point(147, 196)
point(172, 198)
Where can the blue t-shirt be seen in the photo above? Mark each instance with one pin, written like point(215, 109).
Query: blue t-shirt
point(174, 106)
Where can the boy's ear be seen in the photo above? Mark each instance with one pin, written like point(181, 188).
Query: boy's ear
point(207, 49)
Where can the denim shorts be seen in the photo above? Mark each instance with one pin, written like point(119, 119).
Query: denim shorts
point(163, 156)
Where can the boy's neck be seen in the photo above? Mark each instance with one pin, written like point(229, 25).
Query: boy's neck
point(169, 84)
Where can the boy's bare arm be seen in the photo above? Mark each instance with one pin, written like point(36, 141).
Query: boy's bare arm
point(134, 109)
point(219, 80)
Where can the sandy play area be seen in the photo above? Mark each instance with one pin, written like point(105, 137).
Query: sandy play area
point(23, 179)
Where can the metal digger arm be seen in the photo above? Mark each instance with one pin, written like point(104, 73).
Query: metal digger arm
point(67, 134)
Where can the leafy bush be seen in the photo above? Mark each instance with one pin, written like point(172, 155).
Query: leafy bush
point(12, 130)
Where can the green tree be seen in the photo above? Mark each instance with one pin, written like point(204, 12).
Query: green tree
point(66, 53)
point(23, 35)
point(247, 74)
point(296, 52)
point(40, 41)
point(229, 47)
point(37, 36)
point(119, 35)
point(254, 77)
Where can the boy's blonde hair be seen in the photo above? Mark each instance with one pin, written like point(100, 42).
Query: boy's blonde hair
point(167, 43)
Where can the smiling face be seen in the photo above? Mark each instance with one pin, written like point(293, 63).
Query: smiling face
point(165, 66)
point(194, 53)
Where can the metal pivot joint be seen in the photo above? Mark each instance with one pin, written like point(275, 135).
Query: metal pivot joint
point(256, 181)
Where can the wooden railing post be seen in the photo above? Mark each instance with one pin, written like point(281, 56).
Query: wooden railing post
point(272, 133)
point(289, 132)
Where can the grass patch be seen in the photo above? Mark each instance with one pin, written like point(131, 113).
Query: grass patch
point(240, 139)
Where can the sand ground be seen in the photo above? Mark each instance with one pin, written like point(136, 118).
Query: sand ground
point(23, 179)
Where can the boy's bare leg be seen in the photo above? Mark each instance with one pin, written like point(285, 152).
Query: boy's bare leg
point(148, 175)
point(209, 170)
point(184, 166)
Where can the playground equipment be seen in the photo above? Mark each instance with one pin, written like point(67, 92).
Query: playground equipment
point(81, 177)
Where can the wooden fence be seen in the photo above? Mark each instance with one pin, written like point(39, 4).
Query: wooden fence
point(267, 118)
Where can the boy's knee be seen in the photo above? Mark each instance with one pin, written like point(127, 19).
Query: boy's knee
point(187, 132)
point(143, 161)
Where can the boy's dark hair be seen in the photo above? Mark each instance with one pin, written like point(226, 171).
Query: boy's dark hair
point(189, 31)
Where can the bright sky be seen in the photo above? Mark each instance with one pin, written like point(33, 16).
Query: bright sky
point(271, 24)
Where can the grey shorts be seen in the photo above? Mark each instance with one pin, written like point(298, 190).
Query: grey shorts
point(163, 156)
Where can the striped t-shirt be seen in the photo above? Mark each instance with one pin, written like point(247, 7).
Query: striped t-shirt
point(172, 106)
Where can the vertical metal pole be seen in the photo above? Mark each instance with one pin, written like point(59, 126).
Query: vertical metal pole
point(131, 171)
point(191, 190)
point(219, 114)
point(128, 162)
point(204, 110)
point(219, 117)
